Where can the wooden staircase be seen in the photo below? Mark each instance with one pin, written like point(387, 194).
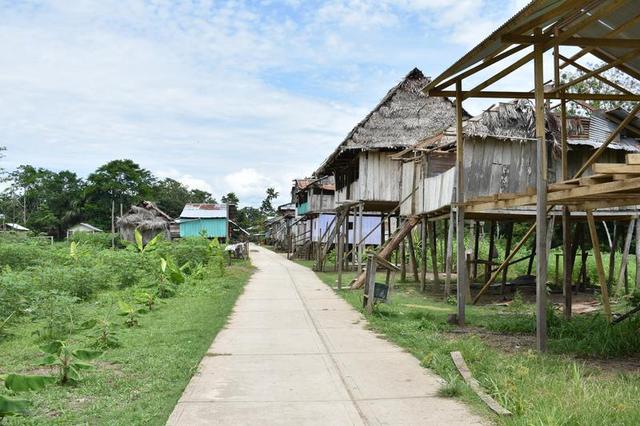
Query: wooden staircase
point(385, 250)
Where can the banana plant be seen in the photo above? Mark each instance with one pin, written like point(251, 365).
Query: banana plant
point(11, 406)
point(68, 361)
point(151, 244)
point(105, 335)
point(131, 313)
point(147, 299)
point(171, 276)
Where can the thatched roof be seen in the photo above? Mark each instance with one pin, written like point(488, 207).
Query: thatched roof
point(326, 183)
point(515, 121)
point(145, 216)
point(404, 116)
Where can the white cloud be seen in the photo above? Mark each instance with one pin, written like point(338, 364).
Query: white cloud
point(187, 180)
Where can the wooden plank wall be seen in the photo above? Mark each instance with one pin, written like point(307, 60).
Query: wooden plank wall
point(380, 177)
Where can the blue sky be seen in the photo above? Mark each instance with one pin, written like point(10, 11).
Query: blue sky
point(221, 95)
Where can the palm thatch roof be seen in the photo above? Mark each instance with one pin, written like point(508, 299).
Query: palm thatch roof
point(404, 116)
point(146, 216)
point(515, 121)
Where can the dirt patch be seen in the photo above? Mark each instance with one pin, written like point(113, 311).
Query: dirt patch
point(509, 343)
point(111, 366)
point(613, 366)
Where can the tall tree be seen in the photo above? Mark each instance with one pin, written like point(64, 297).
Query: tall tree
point(230, 198)
point(119, 181)
point(266, 207)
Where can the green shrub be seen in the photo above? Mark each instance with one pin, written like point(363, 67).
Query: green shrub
point(98, 239)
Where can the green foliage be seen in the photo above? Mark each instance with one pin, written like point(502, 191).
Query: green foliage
point(97, 239)
point(19, 383)
point(131, 313)
point(105, 335)
point(54, 311)
point(151, 244)
point(69, 362)
point(3, 324)
point(452, 389)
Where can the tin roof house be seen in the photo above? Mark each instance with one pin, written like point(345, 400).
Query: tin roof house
point(210, 220)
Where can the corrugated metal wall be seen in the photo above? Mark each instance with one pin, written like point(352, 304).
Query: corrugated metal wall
point(215, 228)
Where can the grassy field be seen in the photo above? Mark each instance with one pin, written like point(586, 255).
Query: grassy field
point(139, 380)
point(590, 375)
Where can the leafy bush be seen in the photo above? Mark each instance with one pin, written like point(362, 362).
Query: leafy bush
point(98, 239)
point(68, 361)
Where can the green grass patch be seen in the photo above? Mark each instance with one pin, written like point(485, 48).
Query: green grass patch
point(153, 316)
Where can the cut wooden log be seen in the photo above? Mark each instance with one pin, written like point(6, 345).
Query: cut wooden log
point(458, 360)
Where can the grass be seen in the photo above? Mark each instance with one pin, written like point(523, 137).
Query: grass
point(563, 387)
point(141, 381)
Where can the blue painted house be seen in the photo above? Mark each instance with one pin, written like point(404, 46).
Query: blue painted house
point(210, 219)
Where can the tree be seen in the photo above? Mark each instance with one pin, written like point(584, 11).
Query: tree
point(43, 200)
point(171, 196)
point(266, 207)
point(230, 198)
point(121, 181)
point(200, 196)
point(593, 85)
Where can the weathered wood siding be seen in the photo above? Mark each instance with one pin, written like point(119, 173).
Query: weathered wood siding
point(320, 202)
point(438, 191)
point(378, 179)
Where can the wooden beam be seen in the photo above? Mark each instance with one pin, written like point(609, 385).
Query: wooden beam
point(597, 71)
point(623, 43)
point(460, 249)
point(629, 24)
point(617, 168)
point(598, 76)
point(449, 253)
point(494, 94)
point(423, 253)
point(599, 267)
point(498, 76)
point(479, 67)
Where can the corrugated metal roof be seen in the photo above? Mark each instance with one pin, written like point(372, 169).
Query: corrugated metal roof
point(202, 211)
point(563, 13)
point(600, 127)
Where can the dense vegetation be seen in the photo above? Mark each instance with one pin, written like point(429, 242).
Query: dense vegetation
point(107, 331)
point(49, 202)
point(585, 379)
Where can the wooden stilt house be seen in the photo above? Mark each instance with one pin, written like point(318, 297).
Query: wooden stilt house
point(367, 179)
point(500, 164)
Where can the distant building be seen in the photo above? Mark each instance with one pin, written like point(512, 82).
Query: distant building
point(211, 220)
point(15, 227)
point(82, 227)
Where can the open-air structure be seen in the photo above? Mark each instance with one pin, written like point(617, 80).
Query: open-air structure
point(608, 30)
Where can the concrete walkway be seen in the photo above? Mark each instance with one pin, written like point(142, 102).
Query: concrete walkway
point(295, 353)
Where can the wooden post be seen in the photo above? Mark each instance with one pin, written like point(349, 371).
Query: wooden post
point(625, 256)
point(638, 254)
point(361, 244)
point(412, 258)
point(434, 255)
point(403, 265)
point(447, 279)
point(339, 250)
point(113, 224)
point(541, 199)
point(489, 264)
point(599, 267)
point(567, 269)
point(423, 254)
point(476, 249)
point(460, 255)
point(370, 280)
point(507, 252)
point(612, 255)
